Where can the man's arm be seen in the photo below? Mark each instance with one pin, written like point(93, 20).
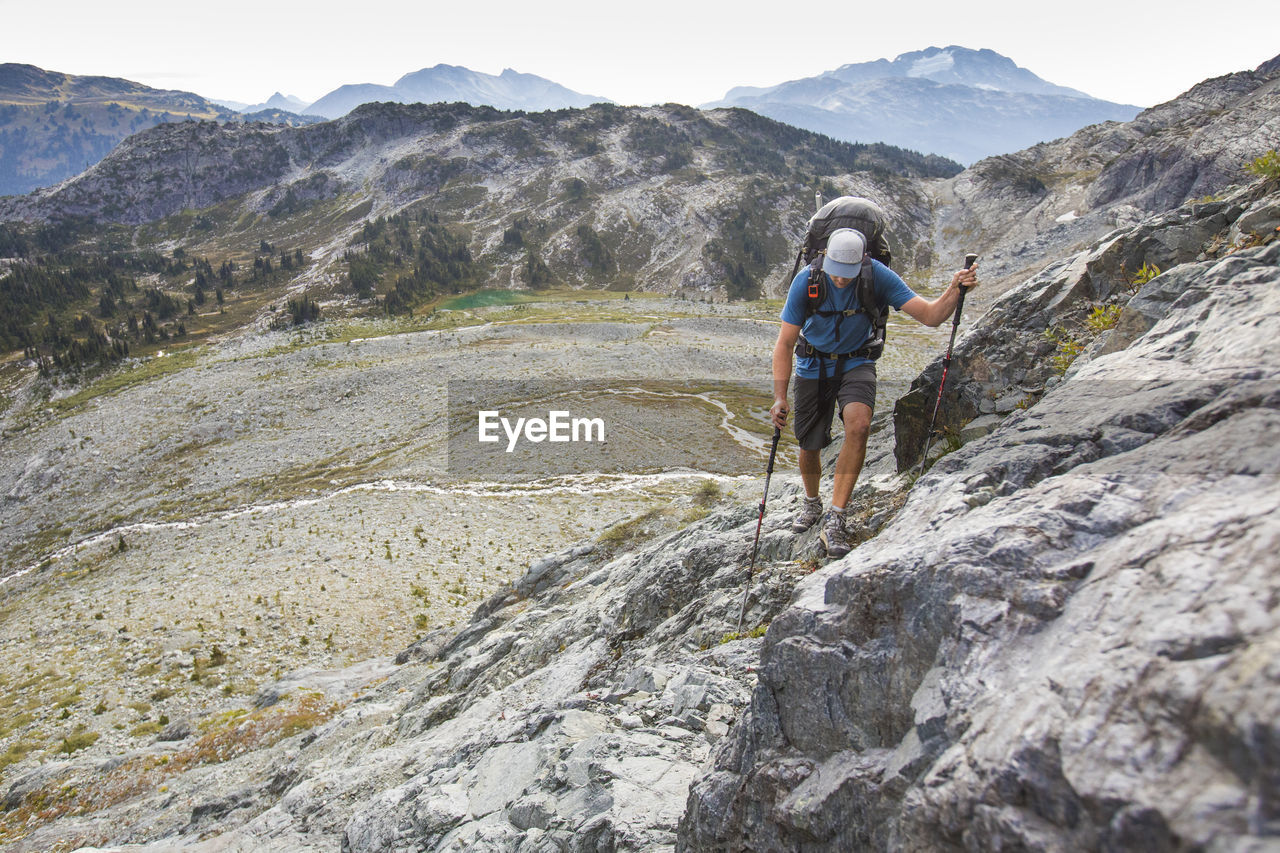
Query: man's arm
point(934, 312)
point(783, 351)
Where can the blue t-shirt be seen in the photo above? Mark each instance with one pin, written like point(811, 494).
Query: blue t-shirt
point(855, 331)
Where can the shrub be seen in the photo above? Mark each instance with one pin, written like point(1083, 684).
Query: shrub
point(633, 530)
point(15, 753)
point(1267, 166)
point(754, 634)
point(1102, 317)
point(1145, 274)
point(708, 493)
point(77, 741)
point(1068, 348)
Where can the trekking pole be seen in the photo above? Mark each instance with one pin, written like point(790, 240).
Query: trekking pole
point(946, 365)
point(755, 548)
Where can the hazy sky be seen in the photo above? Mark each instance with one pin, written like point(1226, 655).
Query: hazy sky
point(1141, 52)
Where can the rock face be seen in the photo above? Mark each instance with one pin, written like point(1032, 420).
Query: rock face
point(1066, 639)
point(1024, 343)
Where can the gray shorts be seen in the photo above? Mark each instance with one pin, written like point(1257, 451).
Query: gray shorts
point(816, 402)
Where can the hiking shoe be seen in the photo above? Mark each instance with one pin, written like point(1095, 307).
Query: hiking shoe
point(834, 537)
point(810, 512)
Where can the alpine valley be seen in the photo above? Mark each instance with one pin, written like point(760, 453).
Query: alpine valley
point(251, 600)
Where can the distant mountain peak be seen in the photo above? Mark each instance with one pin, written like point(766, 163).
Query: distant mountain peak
point(510, 90)
point(960, 102)
point(980, 68)
point(281, 101)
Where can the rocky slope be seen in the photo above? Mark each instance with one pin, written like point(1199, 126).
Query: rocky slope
point(284, 505)
point(960, 103)
point(676, 199)
point(1060, 638)
point(1026, 342)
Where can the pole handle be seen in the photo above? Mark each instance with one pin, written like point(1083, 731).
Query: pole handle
point(969, 261)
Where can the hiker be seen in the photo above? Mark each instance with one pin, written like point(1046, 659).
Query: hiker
point(831, 335)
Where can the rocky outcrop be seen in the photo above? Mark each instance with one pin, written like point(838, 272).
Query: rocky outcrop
point(1064, 640)
point(571, 713)
point(1030, 336)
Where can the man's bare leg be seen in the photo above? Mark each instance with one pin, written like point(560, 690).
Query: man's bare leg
point(857, 426)
point(810, 471)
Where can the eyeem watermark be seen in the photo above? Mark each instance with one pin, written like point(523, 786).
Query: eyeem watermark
point(523, 430)
point(558, 427)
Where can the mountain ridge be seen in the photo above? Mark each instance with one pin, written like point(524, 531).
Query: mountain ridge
point(55, 125)
point(567, 179)
point(665, 199)
point(277, 101)
point(37, 151)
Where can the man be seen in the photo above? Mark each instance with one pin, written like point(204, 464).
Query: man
point(834, 371)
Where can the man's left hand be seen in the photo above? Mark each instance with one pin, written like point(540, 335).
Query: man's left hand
point(967, 279)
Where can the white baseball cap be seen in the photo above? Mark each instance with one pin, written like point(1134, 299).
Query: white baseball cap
point(845, 250)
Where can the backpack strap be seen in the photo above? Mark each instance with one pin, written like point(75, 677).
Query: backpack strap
point(817, 294)
point(804, 349)
point(868, 304)
point(877, 312)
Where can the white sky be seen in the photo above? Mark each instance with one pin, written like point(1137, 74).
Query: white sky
point(1132, 51)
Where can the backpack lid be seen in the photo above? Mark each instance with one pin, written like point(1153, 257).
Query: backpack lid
point(848, 211)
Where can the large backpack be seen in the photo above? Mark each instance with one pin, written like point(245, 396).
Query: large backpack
point(869, 218)
point(848, 211)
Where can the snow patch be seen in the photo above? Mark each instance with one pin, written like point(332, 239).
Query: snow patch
point(1067, 217)
point(927, 65)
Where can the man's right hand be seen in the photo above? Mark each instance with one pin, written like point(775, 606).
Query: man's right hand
point(778, 414)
